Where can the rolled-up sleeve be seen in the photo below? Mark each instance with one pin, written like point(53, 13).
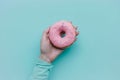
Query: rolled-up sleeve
point(41, 70)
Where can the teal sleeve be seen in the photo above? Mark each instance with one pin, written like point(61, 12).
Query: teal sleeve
point(41, 70)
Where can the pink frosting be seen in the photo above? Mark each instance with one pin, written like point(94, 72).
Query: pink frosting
point(55, 37)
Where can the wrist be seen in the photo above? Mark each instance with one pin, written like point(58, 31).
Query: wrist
point(45, 58)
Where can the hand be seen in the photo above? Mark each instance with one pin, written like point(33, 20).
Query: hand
point(48, 51)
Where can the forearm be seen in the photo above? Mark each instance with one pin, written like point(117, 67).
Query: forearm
point(41, 70)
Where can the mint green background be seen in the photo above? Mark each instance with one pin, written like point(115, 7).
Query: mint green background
point(94, 56)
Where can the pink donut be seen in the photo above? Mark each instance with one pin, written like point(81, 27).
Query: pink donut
point(62, 34)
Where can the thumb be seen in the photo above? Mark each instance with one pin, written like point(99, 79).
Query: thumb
point(45, 34)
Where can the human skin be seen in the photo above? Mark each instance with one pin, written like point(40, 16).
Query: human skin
point(49, 52)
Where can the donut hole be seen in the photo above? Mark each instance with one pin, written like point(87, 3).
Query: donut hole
point(62, 34)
